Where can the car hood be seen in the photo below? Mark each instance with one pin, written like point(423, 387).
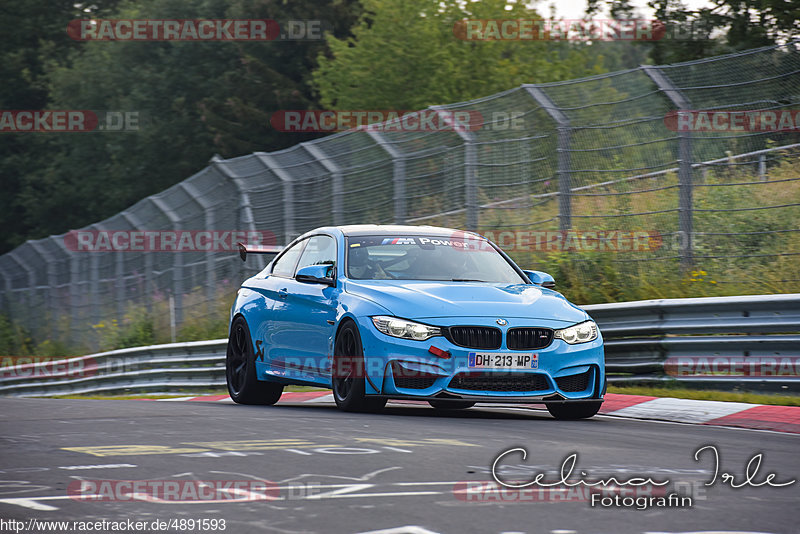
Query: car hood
point(426, 300)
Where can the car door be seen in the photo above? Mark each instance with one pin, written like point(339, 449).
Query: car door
point(272, 288)
point(304, 323)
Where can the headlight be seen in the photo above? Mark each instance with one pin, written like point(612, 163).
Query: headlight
point(392, 326)
point(579, 333)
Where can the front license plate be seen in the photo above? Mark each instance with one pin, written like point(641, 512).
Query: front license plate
point(503, 360)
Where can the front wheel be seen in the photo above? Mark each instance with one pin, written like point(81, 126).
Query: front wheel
point(240, 370)
point(574, 410)
point(349, 373)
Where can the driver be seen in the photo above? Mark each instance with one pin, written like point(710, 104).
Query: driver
point(359, 263)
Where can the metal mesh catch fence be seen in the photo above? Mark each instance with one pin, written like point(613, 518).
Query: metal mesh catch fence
point(625, 185)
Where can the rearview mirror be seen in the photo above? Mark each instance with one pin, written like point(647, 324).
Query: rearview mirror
point(316, 274)
point(541, 278)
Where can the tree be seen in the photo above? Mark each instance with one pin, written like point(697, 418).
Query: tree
point(405, 55)
point(272, 76)
point(195, 99)
point(34, 36)
point(725, 26)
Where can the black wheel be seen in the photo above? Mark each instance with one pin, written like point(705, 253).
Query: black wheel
point(349, 373)
point(240, 370)
point(574, 410)
point(451, 404)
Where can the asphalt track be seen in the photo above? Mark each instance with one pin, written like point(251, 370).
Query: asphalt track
point(410, 469)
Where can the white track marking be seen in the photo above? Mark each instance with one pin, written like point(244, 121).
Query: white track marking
point(318, 400)
point(98, 466)
point(409, 529)
point(682, 410)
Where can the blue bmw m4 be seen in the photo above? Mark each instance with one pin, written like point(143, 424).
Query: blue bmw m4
point(410, 312)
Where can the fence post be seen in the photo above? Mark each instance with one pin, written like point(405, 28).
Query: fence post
point(136, 223)
point(762, 167)
point(563, 171)
point(52, 282)
point(25, 300)
point(94, 286)
point(470, 169)
point(74, 292)
point(398, 175)
point(177, 262)
point(245, 209)
point(208, 214)
point(5, 298)
point(337, 189)
point(6, 302)
point(685, 223)
point(288, 195)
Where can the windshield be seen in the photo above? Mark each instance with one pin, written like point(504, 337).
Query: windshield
point(427, 258)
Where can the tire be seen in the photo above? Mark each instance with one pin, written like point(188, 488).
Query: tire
point(240, 370)
point(348, 376)
point(451, 404)
point(574, 410)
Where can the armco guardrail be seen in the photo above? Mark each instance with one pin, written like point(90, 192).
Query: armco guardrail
point(188, 366)
point(640, 337)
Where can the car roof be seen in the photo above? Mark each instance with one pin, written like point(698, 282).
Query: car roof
point(402, 229)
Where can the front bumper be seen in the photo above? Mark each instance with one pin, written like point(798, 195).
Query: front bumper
point(400, 368)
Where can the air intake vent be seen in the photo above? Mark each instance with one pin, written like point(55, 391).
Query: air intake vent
point(574, 383)
point(410, 379)
point(503, 381)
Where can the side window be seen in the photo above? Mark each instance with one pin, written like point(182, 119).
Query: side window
point(321, 250)
point(285, 264)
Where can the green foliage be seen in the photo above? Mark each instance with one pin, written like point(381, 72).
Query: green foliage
point(194, 99)
point(695, 32)
point(735, 252)
point(405, 56)
point(16, 340)
point(9, 337)
point(137, 329)
point(34, 38)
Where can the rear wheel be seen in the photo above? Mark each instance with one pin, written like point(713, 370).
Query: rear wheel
point(451, 404)
point(574, 410)
point(349, 373)
point(240, 370)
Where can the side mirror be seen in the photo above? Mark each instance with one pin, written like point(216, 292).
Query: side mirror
point(541, 278)
point(316, 274)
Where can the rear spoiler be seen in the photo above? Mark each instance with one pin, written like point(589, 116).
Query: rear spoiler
point(244, 250)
